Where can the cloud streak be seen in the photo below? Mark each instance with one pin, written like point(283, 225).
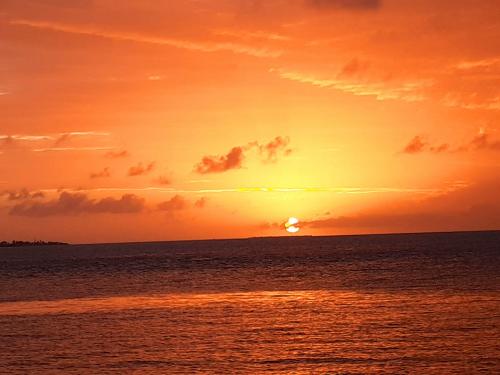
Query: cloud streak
point(116, 154)
point(27, 138)
point(64, 137)
point(345, 4)
point(475, 64)
point(52, 142)
point(407, 91)
point(64, 149)
point(132, 37)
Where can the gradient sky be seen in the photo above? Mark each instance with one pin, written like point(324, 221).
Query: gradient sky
point(155, 120)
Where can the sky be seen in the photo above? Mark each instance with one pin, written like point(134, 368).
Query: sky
point(160, 120)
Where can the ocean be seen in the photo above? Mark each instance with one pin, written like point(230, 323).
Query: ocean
point(402, 304)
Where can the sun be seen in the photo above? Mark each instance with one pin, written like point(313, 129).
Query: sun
point(291, 225)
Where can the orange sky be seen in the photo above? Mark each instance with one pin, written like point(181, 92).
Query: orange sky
point(158, 120)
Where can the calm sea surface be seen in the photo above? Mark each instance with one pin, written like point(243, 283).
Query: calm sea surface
point(422, 304)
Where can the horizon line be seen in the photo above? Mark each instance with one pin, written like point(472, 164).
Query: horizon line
point(268, 237)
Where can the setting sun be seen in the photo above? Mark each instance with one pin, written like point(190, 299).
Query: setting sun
point(291, 225)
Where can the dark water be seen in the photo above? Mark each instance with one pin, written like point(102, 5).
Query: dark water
point(423, 304)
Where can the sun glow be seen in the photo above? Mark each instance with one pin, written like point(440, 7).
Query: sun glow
point(291, 225)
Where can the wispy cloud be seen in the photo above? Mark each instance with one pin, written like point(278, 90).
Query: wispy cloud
point(345, 4)
point(474, 64)
point(242, 34)
point(27, 138)
point(63, 137)
point(271, 189)
point(138, 38)
point(155, 78)
point(471, 102)
point(63, 149)
point(116, 154)
point(53, 142)
point(408, 91)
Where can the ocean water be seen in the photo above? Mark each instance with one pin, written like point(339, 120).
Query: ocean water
point(402, 304)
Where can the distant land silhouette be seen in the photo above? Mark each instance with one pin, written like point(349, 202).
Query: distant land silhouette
point(30, 243)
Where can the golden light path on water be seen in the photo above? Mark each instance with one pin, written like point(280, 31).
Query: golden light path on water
point(329, 298)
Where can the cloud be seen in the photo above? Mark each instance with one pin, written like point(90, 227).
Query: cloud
point(345, 4)
point(64, 3)
point(415, 146)
point(444, 147)
point(374, 220)
point(79, 203)
point(116, 154)
point(472, 101)
point(16, 141)
point(176, 203)
point(64, 137)
point(269, 153)
point(27, 138)
point(272, 150)
point(473, 207)
point(353, 68)
point(22, 194)
point(53, 142)
point(217, 164)
point(251, 35)
point(140, 169)
point(475, 64)
point(481, 141)
point(475, 217)
point(201, 203)
point(104, 173)
point(63, 149)
point(138, 38)
point(163, 180)
point(411, 91)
